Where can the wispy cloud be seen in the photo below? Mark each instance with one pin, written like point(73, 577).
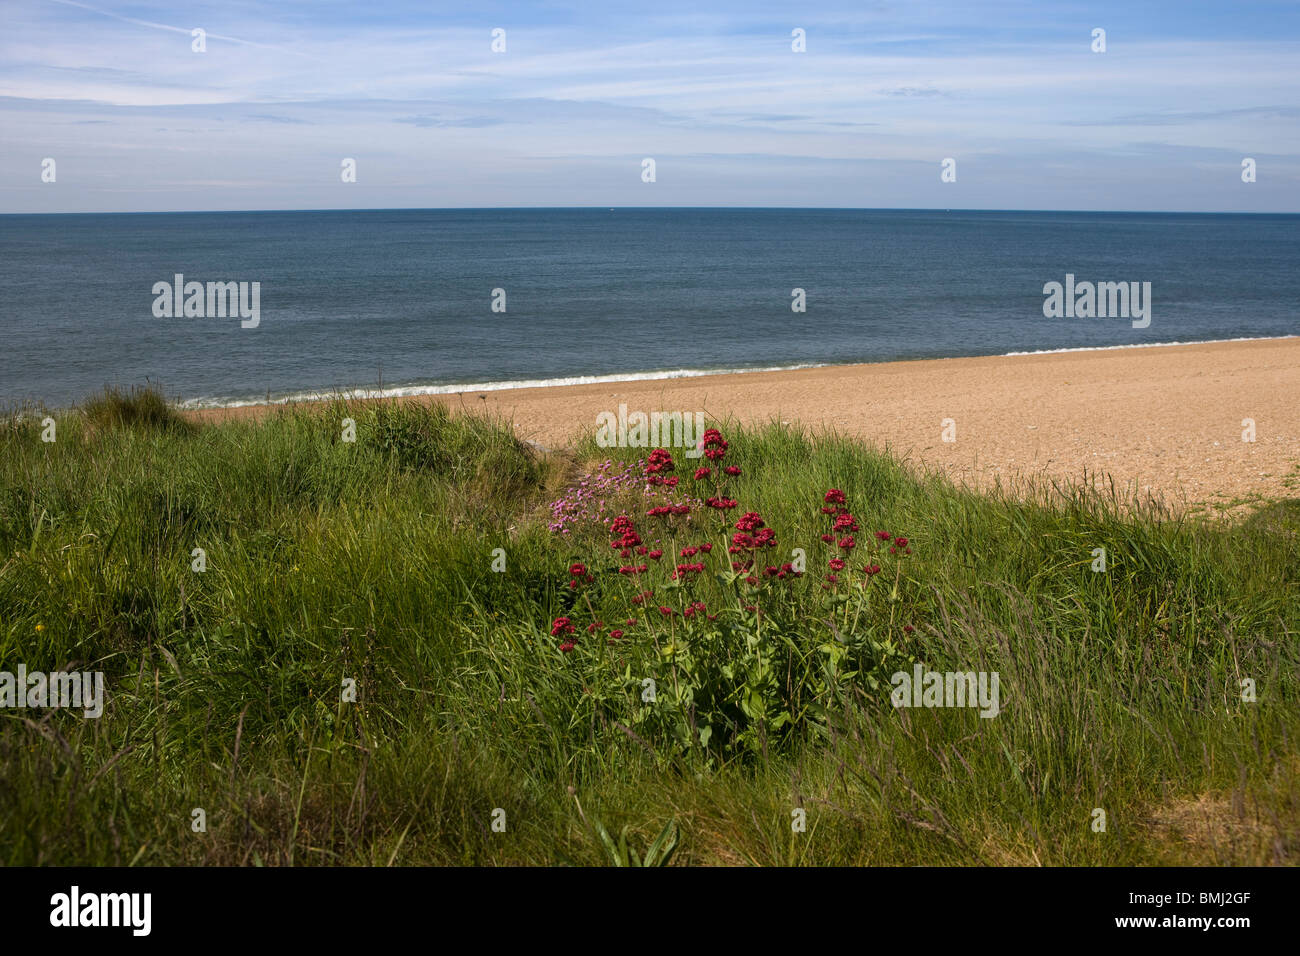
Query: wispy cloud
point(730, 112)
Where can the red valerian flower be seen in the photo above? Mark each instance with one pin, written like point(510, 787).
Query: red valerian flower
point(566, 647)
point(621, 525)
point(751, 580)
point(615, 634)
point(561, 625)
point(706, 547)
point(845, 522)
point(750, 521)
point(732, 470)
point(884, 535)
point(702, 473)
point(595, 626)
point(580, 575)
point(660, 461)
point(660, 512)
point(667, 611)
point(629, 540)
point(766, 538)
point(848, 544)
point(908, 628)
point(872, 569)
point(722, 504)
point(828, 538)
point(655, 555)
point(837, 564)
point(684, 569)
point(714, 445)
point(742, 540)
point(689, 552)
point(834, 497)
point(900, 542)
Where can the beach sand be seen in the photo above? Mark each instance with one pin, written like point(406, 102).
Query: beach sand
point(1165, 421)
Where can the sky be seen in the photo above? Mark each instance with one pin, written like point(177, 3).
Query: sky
point(136, 120)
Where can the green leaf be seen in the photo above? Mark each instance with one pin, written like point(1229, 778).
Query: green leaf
point(610, 849)
point(664, 845)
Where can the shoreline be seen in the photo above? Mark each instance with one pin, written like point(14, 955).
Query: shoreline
point(1165, 421)
point(615, 378)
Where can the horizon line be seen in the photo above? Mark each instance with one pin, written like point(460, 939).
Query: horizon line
point(599, 206)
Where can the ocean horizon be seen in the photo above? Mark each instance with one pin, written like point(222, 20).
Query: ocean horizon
point(435, 301)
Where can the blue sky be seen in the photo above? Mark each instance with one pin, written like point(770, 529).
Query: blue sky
point(137, 121)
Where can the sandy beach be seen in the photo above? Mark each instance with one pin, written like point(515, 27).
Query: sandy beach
point(1165, 421)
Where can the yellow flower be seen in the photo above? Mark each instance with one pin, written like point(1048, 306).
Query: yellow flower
point(39, 628)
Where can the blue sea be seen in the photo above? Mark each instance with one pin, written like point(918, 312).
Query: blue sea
point(403, 299)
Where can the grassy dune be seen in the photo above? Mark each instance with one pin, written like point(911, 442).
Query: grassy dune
point(373, 561)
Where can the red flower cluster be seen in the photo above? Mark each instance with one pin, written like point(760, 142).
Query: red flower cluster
point(580, 574)
point(722, 504)
point(563, 627)
point(697, 607)
point(660, 460)
point(683, 570)
point(900, 544)
point(658, 463)
point(784, 571)
point(715, 446)
point(663, 511)
point(627, 536)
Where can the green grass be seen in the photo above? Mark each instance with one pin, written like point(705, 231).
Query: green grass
point(372, 560)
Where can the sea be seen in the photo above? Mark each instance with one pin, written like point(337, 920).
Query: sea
point(415, 301)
